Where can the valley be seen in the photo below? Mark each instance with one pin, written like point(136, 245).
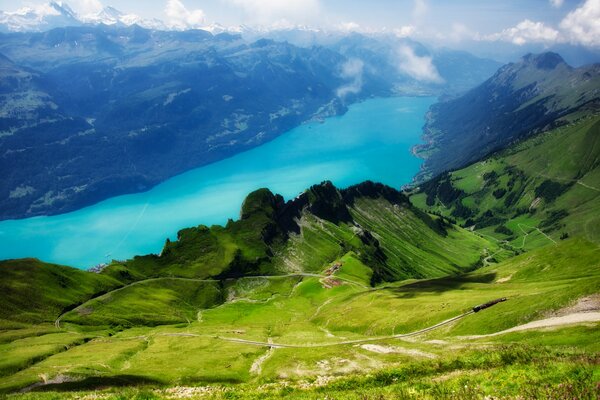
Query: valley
point(190, 210)
point(358, 146)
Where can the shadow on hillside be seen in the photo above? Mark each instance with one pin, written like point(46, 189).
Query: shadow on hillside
point(96, 382)
point(99, 382)
point(440, 285)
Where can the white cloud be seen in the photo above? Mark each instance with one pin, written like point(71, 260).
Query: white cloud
point(556, 3)
point(179, 17)
point(419, 68)
point(268, 11)
point(351, 69)
point(349, 27)
point(460, 32)
point(404, 31)
point(582, 25)
point(86, 7)
point(527, 31)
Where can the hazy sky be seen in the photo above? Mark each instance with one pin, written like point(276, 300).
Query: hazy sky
point(515, 21)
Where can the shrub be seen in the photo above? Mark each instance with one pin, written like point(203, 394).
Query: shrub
point(550, 190)
point(503, 230)
point(499, 193)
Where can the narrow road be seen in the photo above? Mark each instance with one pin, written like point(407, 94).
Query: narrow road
point(588, 186)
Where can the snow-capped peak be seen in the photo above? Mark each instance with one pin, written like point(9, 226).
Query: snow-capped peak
point(38, 18)
point(108, 16)
point(58, 14)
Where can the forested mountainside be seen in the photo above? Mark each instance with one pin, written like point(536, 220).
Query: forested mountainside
point(521, 99)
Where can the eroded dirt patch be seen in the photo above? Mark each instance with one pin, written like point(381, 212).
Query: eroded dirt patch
point(376, 348)
point(583, 305)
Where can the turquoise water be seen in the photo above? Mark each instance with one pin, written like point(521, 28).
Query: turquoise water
point(371, 141)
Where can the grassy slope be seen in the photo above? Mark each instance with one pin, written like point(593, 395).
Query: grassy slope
point(302, 310)
point(369, 224)
point(168, 330)
point(413, 248)
point(33, 291)
point(507, 189)
point(153, 302)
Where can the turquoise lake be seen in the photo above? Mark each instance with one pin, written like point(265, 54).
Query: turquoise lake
point(371, 141)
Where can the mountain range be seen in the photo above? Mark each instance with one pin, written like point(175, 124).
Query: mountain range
point(519, 100)
point(92, 112)
point(481, 282)
point(57, 14)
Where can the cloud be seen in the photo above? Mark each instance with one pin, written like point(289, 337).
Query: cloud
point(527, 31)
point(419, 68)
point(267, 12)
point(349, 27)
point(556, 3)
point(582, 25)
point(86, 7)
point(404, 31)
point(353, 70)
point(179, 17)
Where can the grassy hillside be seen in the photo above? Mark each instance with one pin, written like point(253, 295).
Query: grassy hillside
point(306, 234)
point(375, 224)
point(520, 100)
point(34, 291)
point(530, 195)
point(312, 311)
point(333, 294)
point(149, 302)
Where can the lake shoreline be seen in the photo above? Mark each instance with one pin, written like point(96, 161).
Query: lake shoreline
point(371, 141)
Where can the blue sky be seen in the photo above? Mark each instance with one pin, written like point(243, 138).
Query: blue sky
point(515, 21)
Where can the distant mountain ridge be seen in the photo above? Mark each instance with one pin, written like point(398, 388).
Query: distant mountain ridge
point(118, 109)
point(520, 99)
point(370, 222)
point(58, 14)
point(121, 109)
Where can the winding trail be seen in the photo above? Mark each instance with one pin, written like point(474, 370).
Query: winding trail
point(108, 294)
point(318, 345)
point(553, 322)
point(533, 228)
point(577, 181)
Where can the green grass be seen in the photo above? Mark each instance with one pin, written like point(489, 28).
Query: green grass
point(301, 310)
point(414, 250)
point(500, 371)
point(143, 326)
point(153, 302)
point(33, 291)
point(565, 159)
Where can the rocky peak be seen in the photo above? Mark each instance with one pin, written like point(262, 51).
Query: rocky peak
point(544, 61)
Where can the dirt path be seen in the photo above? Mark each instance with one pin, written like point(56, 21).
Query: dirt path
point(570, 319)
point(256, 367)
point(316, 345)
point(588, 186)
point(108, 294)
point(526, 234)
point(536, 229)
point(375, 348)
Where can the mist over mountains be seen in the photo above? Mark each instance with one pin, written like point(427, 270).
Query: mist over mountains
point(93, 111)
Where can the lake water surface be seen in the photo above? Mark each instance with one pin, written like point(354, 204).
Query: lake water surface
point(371, 141)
